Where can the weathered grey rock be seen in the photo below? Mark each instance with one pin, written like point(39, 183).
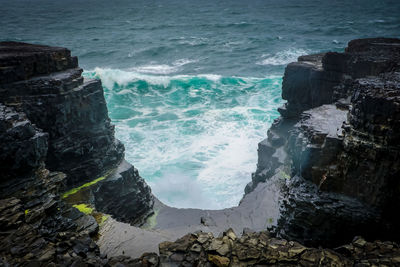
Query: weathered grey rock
point(23, 146)
point(58, 100)
point(307, 85)
point(124, 195)
point(34, 229)
point(315, 142)
point(20, 61)
point(337, 131)
point(50, 117)
point(72, 113)
point(312, 216)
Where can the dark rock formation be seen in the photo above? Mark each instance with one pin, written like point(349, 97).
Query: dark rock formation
point(36, 227)
point(135, 201)
point(336, 141)
point(23, 146)
point(46, 84)
point(51, 118)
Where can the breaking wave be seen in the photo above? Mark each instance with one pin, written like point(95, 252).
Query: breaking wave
point(193, 137)
point(282, 57)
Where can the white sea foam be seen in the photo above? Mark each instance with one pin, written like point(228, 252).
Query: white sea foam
point(194, 142)
point(193, 40)
point(206, 170)
point(175, 188)
point(211, 77)
point(109, 77)
point(163, 69)
point(156, 69)
point(282, 57)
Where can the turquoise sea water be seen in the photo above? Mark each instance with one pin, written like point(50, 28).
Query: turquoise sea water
point(193, 86)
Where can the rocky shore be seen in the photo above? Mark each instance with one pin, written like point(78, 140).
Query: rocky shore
point(327, 172)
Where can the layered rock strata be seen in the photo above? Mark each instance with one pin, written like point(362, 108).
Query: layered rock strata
point(52, 120)
point(336, 141)
point(45, 83)
point(36, 227)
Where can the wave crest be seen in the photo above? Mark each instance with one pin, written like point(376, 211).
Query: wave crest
point(163, 68)
point(282, 57)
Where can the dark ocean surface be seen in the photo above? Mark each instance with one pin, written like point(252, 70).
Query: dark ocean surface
point(193, 86)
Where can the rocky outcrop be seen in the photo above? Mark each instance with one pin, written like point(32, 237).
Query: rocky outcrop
point(324, 78)
point(45, 83)
point(36, 226)
point(24, 146)
point(135, 201)
point(52, 118)
point(336, 141)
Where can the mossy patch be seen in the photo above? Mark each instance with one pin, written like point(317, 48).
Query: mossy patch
point(100, 217)
point(76, 189)
point(84, 208)
point(284, 175)
point(103, 219)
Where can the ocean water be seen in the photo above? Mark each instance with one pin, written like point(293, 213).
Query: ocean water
point(193, 86)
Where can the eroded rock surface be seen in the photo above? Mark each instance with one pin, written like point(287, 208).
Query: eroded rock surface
point(135, 202)
point(51, 118)
point(36, 226)
point(45, 83)
point(337, 143)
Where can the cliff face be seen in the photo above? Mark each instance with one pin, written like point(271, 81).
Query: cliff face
point(336, 141)
point(46, 84)
point(51, 118)
point(36, 227)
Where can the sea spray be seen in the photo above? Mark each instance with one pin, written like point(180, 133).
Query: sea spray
point(193, 137)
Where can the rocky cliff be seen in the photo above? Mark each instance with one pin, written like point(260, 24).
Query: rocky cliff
point(330, 165)
point(337, 143)
point(45, 83)
point(51, 118)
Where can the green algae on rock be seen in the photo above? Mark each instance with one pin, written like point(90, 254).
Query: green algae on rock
point(84, 208)
point(75, 190)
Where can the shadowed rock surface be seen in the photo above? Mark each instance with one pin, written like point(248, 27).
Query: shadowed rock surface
point(36, 227)
point(46, 84)
point(134, 195)
point(50, 117)
point(337, 141)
